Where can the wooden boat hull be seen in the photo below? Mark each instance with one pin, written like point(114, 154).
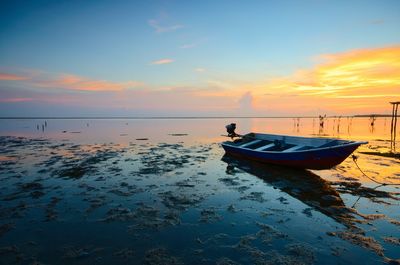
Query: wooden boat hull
point(317, 158)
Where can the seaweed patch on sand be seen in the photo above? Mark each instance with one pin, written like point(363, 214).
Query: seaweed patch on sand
point(159, 256)
point(84, 163)
point(373, 194)
point(363, 241)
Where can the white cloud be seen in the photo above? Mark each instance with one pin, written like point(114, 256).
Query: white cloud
point(188, 46)
point(161, 27)
point(246, 101)
point(163, 61)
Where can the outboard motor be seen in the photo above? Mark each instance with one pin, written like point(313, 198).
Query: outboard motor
point(230, 129)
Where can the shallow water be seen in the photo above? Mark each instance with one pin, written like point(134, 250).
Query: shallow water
point(88, 192)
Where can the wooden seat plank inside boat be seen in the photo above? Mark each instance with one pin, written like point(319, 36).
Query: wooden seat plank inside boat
point(250, 143)
point(294, 148)
point(264, 147)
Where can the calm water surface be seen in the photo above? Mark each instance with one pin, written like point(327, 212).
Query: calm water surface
point(161, 191)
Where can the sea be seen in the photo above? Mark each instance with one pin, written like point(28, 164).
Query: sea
point(162, 191)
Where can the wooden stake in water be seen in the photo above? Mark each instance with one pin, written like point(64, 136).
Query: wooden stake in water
point(393, 126)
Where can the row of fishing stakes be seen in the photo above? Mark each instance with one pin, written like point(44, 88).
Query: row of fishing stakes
point(43, 126)
point(393, 126)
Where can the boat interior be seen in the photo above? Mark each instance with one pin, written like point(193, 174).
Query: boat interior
point(279, 143)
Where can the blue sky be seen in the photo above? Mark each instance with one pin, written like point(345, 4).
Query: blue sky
point(210, 44)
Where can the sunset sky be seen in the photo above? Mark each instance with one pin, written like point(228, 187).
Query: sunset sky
point(198, 58)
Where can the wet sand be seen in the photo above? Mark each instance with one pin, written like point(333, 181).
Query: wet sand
point(173, 197)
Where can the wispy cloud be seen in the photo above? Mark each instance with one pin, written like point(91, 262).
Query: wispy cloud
point(74, 82)
point(246, 102)
point(378, 21)
point(193, 44)
point(369, 96)
point(188, 46)
point(12, 77)
point(160, 26)
point(70, 82)
point(162, 61)
point(200, 70)
point(221, 84)
point(14, 100)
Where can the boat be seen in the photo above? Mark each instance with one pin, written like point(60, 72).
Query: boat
point(292, 151)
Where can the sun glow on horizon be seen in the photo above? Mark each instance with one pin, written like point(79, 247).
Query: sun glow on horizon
point(342, 81)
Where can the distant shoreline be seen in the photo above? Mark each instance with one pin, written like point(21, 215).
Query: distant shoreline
point(192, 117)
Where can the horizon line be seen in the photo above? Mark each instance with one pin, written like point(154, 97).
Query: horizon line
point(188, 117)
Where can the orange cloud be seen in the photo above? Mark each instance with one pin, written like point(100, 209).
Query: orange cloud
point(359, 77)
point(163, 61)
point(69, 81)
point(74, 82)
point(13, 100)
point(11, 77)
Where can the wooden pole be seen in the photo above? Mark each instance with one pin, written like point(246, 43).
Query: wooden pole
point(391, 128)
point(395, 128)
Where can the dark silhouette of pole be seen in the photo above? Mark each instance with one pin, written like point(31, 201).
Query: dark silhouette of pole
point(393, 126)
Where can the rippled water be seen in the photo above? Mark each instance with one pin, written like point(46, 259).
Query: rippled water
point(161, 191)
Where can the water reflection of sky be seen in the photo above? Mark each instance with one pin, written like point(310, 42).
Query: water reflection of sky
point(94, 194)
point(122, 130)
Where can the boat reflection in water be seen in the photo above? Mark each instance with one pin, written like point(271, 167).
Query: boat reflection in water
point(303, 185)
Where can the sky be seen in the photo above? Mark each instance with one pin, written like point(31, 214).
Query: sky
point(198, 58)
